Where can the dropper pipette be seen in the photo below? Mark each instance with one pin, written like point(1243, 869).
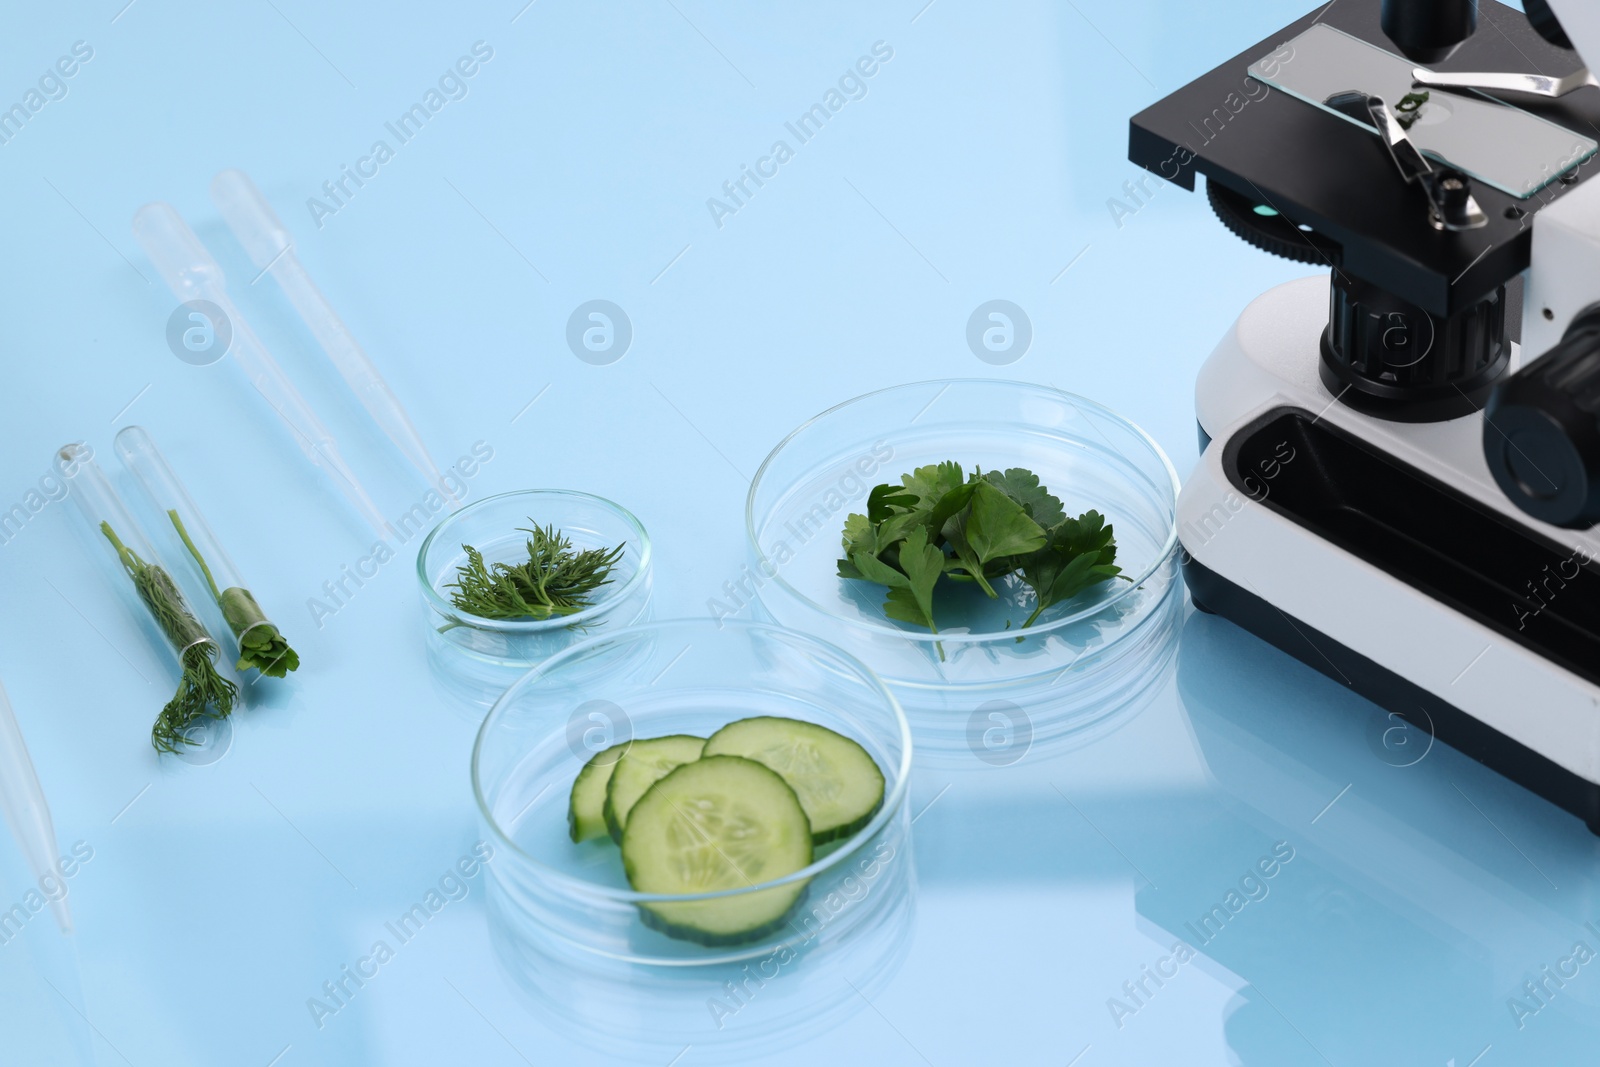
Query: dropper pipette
point(271, 249)
point(26, 809)
point(191, 273)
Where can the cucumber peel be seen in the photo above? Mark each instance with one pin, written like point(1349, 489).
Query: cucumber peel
point(586, 803)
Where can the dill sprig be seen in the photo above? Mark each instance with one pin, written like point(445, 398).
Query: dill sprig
point(261, 645)
point(201, 690)
point(555, 580)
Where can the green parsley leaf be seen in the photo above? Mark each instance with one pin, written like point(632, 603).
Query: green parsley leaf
point(884, 500)
point(940, 523)
point(874, 569)
point(261, 645)
point(1022, 485)
point(859, 536)
point(929, 484)
point(999, 526)
point(911, 598)
point(1080, 553)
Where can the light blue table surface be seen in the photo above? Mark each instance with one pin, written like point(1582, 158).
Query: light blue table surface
point(978, 165)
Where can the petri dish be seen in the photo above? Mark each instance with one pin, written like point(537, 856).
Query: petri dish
point(475, 659)
point(549, 898)
point(983, 691)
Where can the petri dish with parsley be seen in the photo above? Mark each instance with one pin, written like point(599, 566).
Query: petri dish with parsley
point(1014, 580)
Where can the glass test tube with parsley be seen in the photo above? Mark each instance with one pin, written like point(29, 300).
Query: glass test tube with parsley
point(261, 645)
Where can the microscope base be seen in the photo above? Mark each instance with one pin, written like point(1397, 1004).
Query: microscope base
point(1383, 555)
point(1216, 595)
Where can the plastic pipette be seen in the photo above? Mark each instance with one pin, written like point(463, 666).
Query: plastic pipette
point(26, 809)
point(191, 273)
point(271, 249)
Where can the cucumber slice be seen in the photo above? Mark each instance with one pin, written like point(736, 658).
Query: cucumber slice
point(839, 785)
point(641, 767)
point(722, 822)
point(586, 805)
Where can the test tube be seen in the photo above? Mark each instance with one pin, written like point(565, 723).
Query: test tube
point(193, 648)
point(98, 501)
point(152, 471)
point(150, 468)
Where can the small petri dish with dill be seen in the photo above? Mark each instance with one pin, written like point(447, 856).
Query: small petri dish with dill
point(511, 580)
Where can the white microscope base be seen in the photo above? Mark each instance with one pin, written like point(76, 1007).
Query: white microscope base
point(1479, 685)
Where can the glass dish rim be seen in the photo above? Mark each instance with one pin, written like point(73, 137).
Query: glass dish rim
point(603, 607)
point(893, 800)
point(1168, 547)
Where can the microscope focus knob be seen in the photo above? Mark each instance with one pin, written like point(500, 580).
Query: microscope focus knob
point(1541, 430)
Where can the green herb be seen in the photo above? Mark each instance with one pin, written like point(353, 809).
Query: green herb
point(260, 644)
point(940, 523)
point(201, 687)
point(555, 581)
point(1409, 109)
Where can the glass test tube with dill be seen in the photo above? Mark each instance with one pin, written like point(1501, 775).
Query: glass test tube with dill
point(202, 692)
point(261, 645)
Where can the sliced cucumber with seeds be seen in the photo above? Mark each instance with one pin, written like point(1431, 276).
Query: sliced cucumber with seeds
point(838, 783)
point(645, 763)
point(586, 805)
point(720, 822)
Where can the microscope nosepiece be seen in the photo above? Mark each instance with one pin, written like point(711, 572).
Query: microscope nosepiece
point(1427, 31)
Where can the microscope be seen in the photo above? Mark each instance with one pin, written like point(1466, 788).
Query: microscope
point(1399, 480)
